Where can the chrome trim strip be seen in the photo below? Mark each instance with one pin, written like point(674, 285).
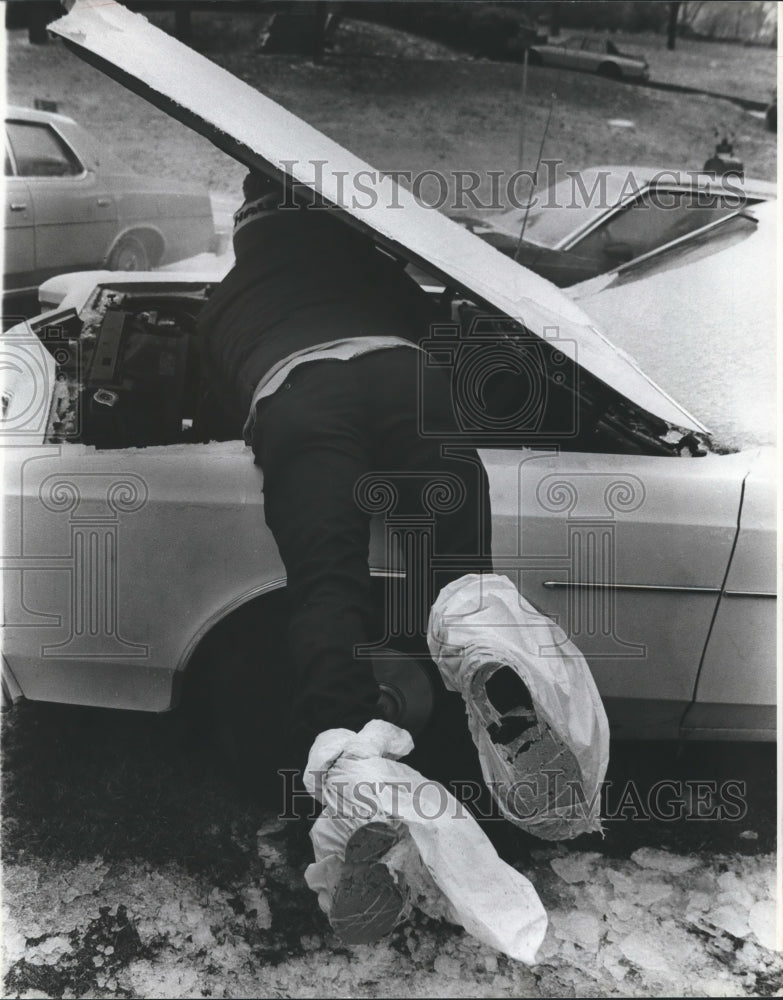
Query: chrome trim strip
point(561, 584)
point(749, 593)
point(553, 584)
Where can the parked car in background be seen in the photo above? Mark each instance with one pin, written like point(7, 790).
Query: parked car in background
point(71, 204)
point(596, 219)
point(592, 55)
point(137, 560)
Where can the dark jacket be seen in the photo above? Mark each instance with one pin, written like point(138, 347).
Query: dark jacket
point(301, 278)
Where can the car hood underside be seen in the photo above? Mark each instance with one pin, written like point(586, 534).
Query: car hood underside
point(263, 135)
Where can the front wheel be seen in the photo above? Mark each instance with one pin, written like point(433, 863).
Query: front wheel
point(609, 70)
point(130, 254)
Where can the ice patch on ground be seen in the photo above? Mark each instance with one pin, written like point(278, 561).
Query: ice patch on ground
point(657, 924)
point(652, 857)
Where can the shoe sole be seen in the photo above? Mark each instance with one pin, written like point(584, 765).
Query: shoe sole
point(367, 903)
point(523, 746)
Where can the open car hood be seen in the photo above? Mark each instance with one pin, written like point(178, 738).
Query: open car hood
point(261, 134)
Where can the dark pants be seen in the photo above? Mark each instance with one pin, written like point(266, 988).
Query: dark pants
point(339, 441)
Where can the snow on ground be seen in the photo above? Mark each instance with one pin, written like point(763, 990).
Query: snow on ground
point(656, 924)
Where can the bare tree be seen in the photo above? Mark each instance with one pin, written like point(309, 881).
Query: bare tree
point(689, 10)
point(746, 20)
point(554, 19)
point(671, 31)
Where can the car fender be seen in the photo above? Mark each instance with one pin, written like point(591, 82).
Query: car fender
point(234, 604)
point(736, 684)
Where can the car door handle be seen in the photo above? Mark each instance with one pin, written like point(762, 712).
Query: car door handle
point(18, 206)
point(104, 202)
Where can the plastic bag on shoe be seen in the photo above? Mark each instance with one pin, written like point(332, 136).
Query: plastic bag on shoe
point(443, 858)
point(483, 619)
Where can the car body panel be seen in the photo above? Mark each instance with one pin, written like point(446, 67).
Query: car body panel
point(71, 224)
point(134, 516)
point(650, 537)
point(75, 220)
point(260, 133)
point(725, 295)
point(725, 289)
point(143, 509)
point(19, 246)
point(743, 634)
point(73, 290)
point(629, 555)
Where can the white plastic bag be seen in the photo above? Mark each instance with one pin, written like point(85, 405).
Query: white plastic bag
point(445, 859)
point(482, 619)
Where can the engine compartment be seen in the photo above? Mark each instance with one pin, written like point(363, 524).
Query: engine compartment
point(128, 371)
point(128, 375)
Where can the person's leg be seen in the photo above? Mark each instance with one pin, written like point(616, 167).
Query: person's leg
point(442, 484)
point(444, 494)
point(310, 444)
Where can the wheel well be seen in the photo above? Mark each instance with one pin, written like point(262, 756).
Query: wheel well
point(259, 623)
point(259, 620)
point(238, 690)
point(243, 660)
point(153, 242)
point(610, 69)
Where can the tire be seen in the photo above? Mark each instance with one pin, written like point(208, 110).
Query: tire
point(238, 695)
point(240, 692)
point(129, 254)
point(534, 59)
point(610, 71)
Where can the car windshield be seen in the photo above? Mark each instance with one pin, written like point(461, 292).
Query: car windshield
point(570, 205)
point(730, 233)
